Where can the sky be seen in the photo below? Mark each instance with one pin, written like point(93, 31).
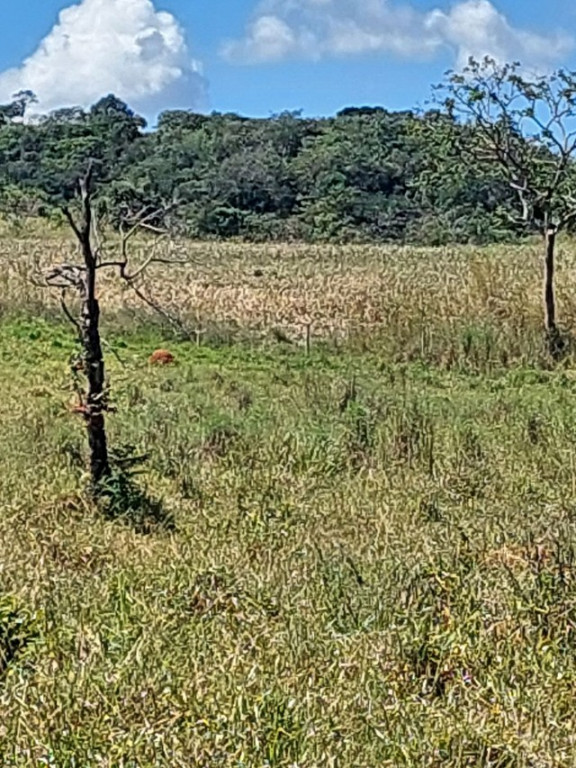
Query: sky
point(261, 57)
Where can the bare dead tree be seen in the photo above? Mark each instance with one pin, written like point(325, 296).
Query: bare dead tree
point(82, 280)
point(525, 127)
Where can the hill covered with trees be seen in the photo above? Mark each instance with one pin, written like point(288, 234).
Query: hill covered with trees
point(364, 175)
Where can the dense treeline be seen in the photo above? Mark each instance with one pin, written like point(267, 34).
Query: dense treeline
point(364, 175)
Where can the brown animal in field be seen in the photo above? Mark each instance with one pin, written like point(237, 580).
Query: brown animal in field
point(161, 357)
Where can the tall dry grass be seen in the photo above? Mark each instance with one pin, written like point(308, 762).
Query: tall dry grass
point(431, 304)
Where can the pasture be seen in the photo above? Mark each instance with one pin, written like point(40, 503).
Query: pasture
point(361, 548)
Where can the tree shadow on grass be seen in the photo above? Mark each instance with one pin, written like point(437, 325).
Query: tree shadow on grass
point(122, 499)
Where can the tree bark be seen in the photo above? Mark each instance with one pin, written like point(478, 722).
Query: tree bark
point(549, 298)
point(93, 359)
point(553, 339)
point(96, 378)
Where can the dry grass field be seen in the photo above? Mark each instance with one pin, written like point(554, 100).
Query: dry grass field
point(362, 553)
point(407, 303)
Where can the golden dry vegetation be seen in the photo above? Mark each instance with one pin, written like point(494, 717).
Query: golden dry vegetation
point(423, 300)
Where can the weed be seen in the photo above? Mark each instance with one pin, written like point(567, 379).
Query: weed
point(18, 631)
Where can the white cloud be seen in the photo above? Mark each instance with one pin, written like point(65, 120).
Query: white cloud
point(476, 28)
point(317, 28)
point(125, 47)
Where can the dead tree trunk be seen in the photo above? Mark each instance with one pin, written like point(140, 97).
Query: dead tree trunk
point(553, 339)
point(94, 406)
point(96, 378)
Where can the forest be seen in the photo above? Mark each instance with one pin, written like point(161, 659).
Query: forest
point(366, 175)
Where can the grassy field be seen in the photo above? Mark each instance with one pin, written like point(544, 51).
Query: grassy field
point(366, 549)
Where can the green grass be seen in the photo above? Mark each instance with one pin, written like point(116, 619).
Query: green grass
point(387, 581)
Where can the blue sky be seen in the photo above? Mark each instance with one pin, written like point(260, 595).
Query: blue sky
point(259, 57)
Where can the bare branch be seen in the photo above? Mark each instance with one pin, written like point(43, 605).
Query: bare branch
point(109, 264)
point(142, 221)
point(65, 276)
point(68, 314)
point(71, 221)
point(86, 197)
point(174, 321)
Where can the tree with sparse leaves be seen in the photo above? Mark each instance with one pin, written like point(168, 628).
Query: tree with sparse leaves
point(525, 128)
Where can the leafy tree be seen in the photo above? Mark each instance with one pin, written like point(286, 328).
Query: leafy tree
point(352, 178)
point(47, 157)
point(366, 175)
point(17, 107)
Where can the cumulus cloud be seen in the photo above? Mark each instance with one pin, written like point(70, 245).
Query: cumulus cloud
point(475, 28)
point(317, 28)
point(125, 47)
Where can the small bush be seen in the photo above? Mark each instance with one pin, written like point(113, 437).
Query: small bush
point(17, 632)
